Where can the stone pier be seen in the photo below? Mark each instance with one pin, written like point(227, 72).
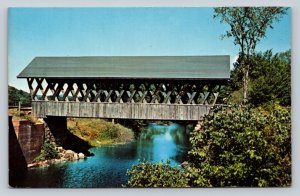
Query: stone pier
point(30, 137)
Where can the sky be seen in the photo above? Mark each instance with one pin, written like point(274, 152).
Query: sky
point(143, 31)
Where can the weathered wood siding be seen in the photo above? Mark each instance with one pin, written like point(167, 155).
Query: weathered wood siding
point(149, 111)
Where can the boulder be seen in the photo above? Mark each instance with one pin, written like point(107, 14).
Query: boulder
point(61, 155)
point(60, 149)
point(69, 155)
point(81, 156)
point(75, 157)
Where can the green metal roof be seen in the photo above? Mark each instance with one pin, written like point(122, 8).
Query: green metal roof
point(129, 67)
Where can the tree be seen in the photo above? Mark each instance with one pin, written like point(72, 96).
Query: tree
point(12, 96)
point(248, 26)
point(270, 78)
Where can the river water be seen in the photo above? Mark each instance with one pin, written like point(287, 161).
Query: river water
point(109, 165)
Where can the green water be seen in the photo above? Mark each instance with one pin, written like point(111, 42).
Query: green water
point(109, 165)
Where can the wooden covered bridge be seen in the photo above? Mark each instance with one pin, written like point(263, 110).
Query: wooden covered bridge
point(126, 87)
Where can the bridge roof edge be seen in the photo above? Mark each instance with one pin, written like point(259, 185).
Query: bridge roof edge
point(216, 67)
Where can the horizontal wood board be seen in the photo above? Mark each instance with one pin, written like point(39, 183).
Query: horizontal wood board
point(151, 111)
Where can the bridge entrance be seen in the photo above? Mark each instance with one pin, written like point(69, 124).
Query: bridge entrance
point(154, 88)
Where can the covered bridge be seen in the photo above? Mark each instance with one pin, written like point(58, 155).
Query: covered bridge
point(126, 87)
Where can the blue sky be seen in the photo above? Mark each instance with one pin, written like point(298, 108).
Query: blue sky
point(123, 31)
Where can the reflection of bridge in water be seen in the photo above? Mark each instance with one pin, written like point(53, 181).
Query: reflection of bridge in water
point(136, 87)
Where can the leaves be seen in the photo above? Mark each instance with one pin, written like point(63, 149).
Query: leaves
point(48, 152)
point(159, 174)
point(271, 78)
point(243, 147)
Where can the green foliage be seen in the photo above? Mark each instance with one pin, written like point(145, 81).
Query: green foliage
point(236, 97)
point(242, 147)
point(15, 95)
point(48, 152)
point(271, 78)
point(156, 175)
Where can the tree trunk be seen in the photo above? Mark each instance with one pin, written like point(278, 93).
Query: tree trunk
point(245, 84)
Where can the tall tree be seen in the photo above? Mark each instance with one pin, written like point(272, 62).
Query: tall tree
point(270, 77)
point(248, 26)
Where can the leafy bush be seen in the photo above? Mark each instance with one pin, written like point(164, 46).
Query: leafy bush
point(242, 147)
point(48, 152)
point(156, 175)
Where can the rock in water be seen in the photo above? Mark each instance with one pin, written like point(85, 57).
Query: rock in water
point(75, 157)
point(69, 155)
point(81, 156)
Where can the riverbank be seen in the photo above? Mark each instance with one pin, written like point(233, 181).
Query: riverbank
point(62, 155)
point(98, 131)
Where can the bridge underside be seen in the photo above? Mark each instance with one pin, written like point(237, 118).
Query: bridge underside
point(151, 111)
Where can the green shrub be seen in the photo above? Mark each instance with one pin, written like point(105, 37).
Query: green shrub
point(48, 152)
point(242, 147)
point(156, 175)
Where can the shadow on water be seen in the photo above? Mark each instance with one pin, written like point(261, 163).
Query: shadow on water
point(109, 165)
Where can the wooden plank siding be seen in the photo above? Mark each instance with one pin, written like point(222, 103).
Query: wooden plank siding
point(151, 111)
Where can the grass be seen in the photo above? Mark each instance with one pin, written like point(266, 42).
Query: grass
point(99, 131)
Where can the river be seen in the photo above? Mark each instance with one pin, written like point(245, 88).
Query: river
point(109, 165)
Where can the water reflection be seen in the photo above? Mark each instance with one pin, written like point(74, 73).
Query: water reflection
point(161, 142)
point(109, 165)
